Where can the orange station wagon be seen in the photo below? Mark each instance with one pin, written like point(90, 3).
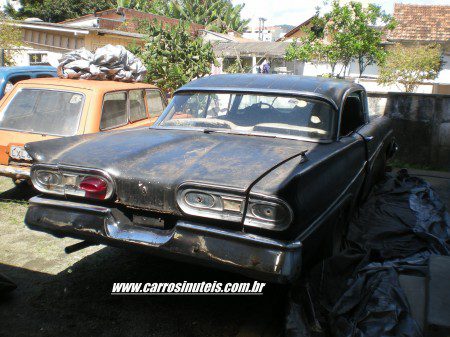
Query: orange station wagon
point(45, 108)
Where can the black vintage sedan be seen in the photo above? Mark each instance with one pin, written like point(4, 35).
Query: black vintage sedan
point(253, 173)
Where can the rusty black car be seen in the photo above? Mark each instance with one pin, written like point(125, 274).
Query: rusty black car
point(253, 173)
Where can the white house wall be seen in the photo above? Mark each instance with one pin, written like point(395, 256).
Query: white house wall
point(444, 75)
point(22, 57)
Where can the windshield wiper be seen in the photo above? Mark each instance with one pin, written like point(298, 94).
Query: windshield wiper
point(240, 133)
point(211, 130)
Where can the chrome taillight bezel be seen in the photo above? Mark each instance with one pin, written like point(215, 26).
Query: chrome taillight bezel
point(253, 220)
point(72, 173)
point(218, 209)
point(244, 215)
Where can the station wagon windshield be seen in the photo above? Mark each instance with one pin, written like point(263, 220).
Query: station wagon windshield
point(43, 111)
point(251, 114)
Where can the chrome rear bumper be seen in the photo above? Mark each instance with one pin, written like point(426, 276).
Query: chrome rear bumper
point(15, 172)
point(251, 255)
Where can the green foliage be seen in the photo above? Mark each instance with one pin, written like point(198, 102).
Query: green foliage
point(10, 38)
point(173, 56)
point(344, 34)
point(216, 15)
point(411, 65)
point(57, 11)
point(236, 67)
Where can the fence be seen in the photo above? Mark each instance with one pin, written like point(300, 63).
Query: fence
point(421, 123)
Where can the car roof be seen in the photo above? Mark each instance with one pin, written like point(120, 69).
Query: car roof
point(87, 84)
point(26, 69)
point(331, 90)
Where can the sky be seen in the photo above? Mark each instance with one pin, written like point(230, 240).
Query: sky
point(294, 12)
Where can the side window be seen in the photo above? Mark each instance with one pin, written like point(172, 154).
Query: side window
point(114, 111)
point(352, 114)
point(137, 105)
point(155, 103)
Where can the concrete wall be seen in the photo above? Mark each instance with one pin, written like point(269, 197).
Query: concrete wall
point(421, 124)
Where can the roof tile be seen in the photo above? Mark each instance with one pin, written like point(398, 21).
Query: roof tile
point(421, 23)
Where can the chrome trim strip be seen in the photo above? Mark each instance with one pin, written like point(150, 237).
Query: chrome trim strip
point(39, 201)
point(255, 239)
point(380, 146)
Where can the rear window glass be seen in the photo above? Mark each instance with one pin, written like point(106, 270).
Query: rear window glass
point(43, 111)
point(155, 103)
point(114, 112)
point(137, 105)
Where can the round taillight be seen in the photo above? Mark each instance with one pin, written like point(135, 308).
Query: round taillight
point(94, 187)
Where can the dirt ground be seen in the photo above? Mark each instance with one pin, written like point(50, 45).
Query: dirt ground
point(69, 295)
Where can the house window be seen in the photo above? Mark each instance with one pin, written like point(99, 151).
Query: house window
point(38, 59)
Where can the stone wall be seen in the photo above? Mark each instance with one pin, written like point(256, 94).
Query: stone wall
point(421, 124)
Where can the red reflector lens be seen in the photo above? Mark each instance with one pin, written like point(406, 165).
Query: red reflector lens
point(95, 187)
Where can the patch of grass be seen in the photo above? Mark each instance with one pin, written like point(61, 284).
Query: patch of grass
point(13, 201)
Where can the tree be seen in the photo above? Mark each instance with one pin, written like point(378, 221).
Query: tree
point(411, 65)
point(57, 11)
point(10, 38)
point(173, 56)
point(236, 67)
point(346, 33)
point(217, 15)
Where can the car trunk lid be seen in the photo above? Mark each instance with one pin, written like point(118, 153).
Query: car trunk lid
point(148, 165)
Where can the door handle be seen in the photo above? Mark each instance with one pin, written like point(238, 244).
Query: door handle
point(368, 138)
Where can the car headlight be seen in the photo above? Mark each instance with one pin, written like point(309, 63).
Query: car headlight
point(87, 183)
point(211, 204)
point(19, 153)
point(273, 214)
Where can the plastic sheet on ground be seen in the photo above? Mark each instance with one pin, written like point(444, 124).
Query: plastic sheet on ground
point(357, 293)
point(107, 63)
point(6, 285)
